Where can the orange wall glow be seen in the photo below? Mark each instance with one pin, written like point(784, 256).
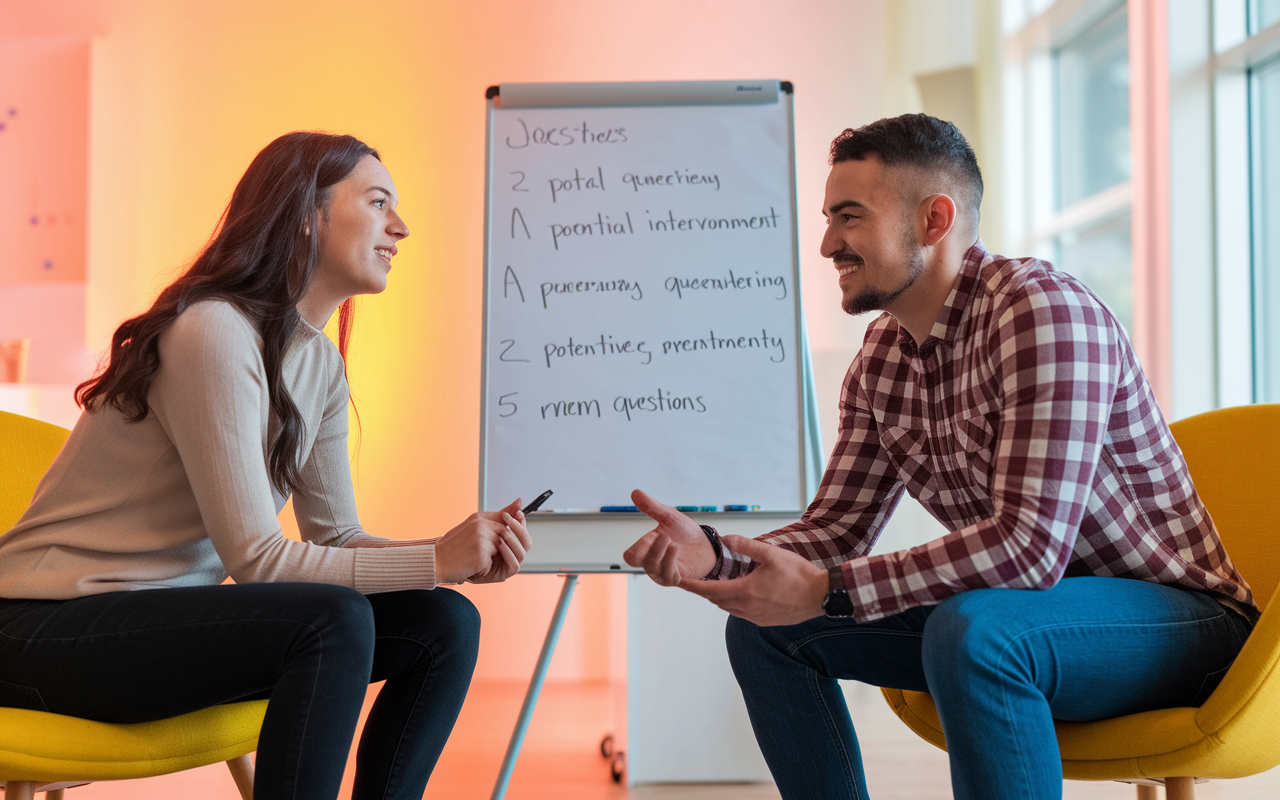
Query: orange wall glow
point(183, 94)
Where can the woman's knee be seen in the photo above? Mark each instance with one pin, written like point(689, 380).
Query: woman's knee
point(333, 623)
point(341, 608)
point(460, 618)
point(442, 620)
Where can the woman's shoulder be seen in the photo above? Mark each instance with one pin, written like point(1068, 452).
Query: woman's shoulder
point(211, 332)
point(214, 316)
point(211, 324)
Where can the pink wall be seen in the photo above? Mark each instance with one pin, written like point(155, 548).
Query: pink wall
point(183, 94)
point(44, 150)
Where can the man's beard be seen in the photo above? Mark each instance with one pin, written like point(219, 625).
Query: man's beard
point(873, 299)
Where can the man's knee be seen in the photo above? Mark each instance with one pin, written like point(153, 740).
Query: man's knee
point(747, 642)
point(967, 631)
point(741, 638)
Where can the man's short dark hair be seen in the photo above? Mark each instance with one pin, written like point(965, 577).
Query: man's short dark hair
point(914, 140)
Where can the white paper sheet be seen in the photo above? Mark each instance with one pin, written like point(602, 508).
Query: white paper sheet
point(641, 307)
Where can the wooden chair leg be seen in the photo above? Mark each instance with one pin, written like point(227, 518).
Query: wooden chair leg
point(1180, 788)
point(1148, 792)
point(20, 790)
point(56, 794)
point(242, 770)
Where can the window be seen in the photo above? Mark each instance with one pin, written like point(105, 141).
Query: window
point(1093, 161)
point(1093, 110)
point(1141, 156)
point(1067, 150)
point(1263, 13)
point(1265, 81)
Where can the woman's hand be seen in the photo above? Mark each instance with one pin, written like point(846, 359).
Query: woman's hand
point(486, 548)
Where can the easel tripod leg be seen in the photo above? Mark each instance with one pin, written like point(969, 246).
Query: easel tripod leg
point(535, 687)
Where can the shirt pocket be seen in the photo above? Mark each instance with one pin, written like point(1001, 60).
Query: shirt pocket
point(975, 439)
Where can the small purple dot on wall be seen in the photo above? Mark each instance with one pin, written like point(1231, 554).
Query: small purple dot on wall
point(35, 220)
point(48, 264)
point(1, 126)
point(13, 111)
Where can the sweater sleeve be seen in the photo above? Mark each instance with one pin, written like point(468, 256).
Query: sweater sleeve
point(325, 508)
point(209, 395)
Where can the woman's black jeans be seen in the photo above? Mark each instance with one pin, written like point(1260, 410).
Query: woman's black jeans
point(311, 648)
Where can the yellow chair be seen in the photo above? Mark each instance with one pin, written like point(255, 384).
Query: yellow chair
point(50, 752)
point(1234, 458)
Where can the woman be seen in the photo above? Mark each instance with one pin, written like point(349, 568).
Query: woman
point(217, 404)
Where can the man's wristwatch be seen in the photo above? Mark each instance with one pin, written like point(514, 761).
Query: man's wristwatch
point(837, 603)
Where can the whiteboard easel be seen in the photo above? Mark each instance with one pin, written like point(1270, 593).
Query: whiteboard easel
point(738, 406)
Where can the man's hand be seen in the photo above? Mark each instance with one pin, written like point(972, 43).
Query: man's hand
point(785, 589)
point(486, 547)
point(674, 551)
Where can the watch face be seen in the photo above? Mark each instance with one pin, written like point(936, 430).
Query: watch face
point(838, 604)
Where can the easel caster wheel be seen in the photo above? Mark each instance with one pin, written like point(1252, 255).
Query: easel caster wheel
point(619, 766)
point(606, 746)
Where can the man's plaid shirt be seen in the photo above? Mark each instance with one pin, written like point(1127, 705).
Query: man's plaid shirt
point(1025, 425)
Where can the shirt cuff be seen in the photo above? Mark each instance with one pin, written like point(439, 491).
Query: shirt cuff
point(393, 569)
point(861, 585)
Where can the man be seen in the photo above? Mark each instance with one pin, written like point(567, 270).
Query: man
point(1081, 577)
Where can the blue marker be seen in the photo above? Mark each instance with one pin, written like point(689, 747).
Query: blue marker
point(741, 508)
point(613, 509)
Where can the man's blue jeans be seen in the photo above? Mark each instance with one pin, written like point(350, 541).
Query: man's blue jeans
point(1001, 665)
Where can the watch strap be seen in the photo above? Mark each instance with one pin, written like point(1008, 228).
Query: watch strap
point(714, 537)
point(837, 604)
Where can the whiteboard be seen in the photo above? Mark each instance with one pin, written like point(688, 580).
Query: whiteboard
point(642, 323)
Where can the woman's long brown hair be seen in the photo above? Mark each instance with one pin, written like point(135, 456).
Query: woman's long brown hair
point(261, 260)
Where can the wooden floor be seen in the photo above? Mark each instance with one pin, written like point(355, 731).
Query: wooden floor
point(561, 759)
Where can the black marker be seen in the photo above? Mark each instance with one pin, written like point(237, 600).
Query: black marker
point(537, 503)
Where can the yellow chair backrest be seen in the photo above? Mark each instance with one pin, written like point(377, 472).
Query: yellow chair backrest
point(1234, 458)
point(27, 448)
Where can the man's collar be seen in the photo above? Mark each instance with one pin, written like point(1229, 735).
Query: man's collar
point(947, 326)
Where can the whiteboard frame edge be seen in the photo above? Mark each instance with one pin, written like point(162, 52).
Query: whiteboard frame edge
point(638, 94)
point(484, 304)
point(802, 340)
